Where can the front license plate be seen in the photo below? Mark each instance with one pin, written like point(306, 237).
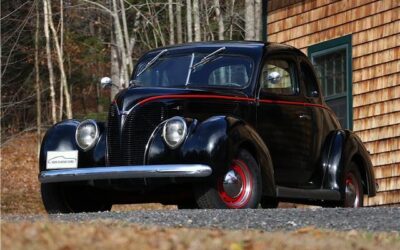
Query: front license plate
point(62, 159)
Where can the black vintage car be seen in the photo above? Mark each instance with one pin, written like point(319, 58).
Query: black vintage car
point(209, 125)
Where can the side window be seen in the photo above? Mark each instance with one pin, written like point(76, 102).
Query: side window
point(310, 82)
point(277, 77)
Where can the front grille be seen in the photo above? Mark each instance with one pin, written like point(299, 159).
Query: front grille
point(128, 147)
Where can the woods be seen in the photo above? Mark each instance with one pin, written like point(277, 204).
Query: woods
point(53, 53)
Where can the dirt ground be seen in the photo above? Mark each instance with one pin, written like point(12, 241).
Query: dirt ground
point(112, 235)
point(20, 194)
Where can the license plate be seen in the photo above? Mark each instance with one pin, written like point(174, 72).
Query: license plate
point(62, 159)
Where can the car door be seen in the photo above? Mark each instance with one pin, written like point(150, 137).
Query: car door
point(283, 121)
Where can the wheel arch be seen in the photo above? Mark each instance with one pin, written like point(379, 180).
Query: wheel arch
point(343, 147)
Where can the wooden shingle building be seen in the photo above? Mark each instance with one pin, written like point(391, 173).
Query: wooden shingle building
point(355, 46)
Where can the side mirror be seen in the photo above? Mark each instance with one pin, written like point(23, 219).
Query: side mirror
point(274, 77)
point(106, 82)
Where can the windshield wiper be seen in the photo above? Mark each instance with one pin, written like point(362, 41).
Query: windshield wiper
point(208, 58)
point(151, 62)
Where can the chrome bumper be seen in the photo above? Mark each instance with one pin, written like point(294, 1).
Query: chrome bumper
point(123, 172)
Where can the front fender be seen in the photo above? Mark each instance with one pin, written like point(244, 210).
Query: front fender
point(214, 142)
point(61, 137)
point(342, 147)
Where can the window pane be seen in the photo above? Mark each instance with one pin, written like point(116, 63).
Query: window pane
point(277, 77)
point(331, 69)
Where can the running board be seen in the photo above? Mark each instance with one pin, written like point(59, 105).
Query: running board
point(310, 194)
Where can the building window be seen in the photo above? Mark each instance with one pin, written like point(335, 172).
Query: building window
point(332, 61)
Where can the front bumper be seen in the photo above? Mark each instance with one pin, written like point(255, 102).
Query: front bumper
point(124, 172)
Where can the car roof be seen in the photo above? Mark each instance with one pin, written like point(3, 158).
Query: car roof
point(271, 47)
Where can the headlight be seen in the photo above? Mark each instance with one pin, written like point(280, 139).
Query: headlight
point(87, 134)
point(174, 131)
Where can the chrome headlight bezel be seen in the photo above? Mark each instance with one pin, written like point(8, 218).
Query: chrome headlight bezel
point(78, 134)
point(166, 133)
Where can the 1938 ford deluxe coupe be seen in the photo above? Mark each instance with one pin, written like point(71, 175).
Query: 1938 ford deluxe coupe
point(209, 125)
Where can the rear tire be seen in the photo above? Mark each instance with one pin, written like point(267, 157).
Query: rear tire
point(239, 187)
point(354, 193)
point(61, 198)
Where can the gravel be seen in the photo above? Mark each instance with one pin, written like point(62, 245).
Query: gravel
point(365, 219)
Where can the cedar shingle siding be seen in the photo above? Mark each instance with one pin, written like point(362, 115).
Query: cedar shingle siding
point(375, 29)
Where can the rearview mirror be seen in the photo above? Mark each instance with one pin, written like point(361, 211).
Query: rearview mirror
point(274, 77)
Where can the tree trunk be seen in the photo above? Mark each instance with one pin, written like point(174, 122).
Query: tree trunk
point(232, 16)
point(257, 21)
point(126, 36)
point(249, 20)
point(179, 21)
point(208, 26)
point(133, 39)
point(220, 20)
point(49, 62)
point(189, 20)
point(61, 105)
point(60, 63)
point(37, 81)
point(123, 78)
point(171, 22)
point(196, 15)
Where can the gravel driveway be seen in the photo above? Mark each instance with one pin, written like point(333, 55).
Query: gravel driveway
point(367, 219)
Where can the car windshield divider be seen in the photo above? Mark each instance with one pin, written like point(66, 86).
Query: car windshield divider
point(208, 58)
point(152, 61)
point(189, 70)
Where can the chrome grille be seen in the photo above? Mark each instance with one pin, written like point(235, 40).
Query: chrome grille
point(128, 147)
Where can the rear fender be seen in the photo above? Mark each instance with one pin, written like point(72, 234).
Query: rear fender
point(342, 147)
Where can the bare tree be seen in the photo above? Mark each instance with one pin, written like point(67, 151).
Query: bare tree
point(220, 20)
point(231, 14)
point(49, 62)
point(179, 21)
point(196, 17)
point(249, 20)
point(171, 22)
point(37, 80)
point(189, 20)
point(60, 58)
point(126, 36)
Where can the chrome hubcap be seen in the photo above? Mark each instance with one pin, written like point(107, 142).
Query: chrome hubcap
point(352, 191)
point(232, 184)
point(235, 187)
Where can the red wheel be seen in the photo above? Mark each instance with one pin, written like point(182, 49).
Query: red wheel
point(354, 194)
point(236, 186)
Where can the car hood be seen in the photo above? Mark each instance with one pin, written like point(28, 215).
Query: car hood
point(128, 98)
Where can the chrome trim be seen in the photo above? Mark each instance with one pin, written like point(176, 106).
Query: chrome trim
point(123, 172)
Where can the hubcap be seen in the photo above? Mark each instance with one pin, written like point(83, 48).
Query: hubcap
point(352, 191)
point(233, 184)
point(236, 186)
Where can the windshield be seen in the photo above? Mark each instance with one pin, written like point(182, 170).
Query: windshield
point(185, 70)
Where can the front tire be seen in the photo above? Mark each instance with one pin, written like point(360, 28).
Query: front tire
point(239, 187)
point(61, 198)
